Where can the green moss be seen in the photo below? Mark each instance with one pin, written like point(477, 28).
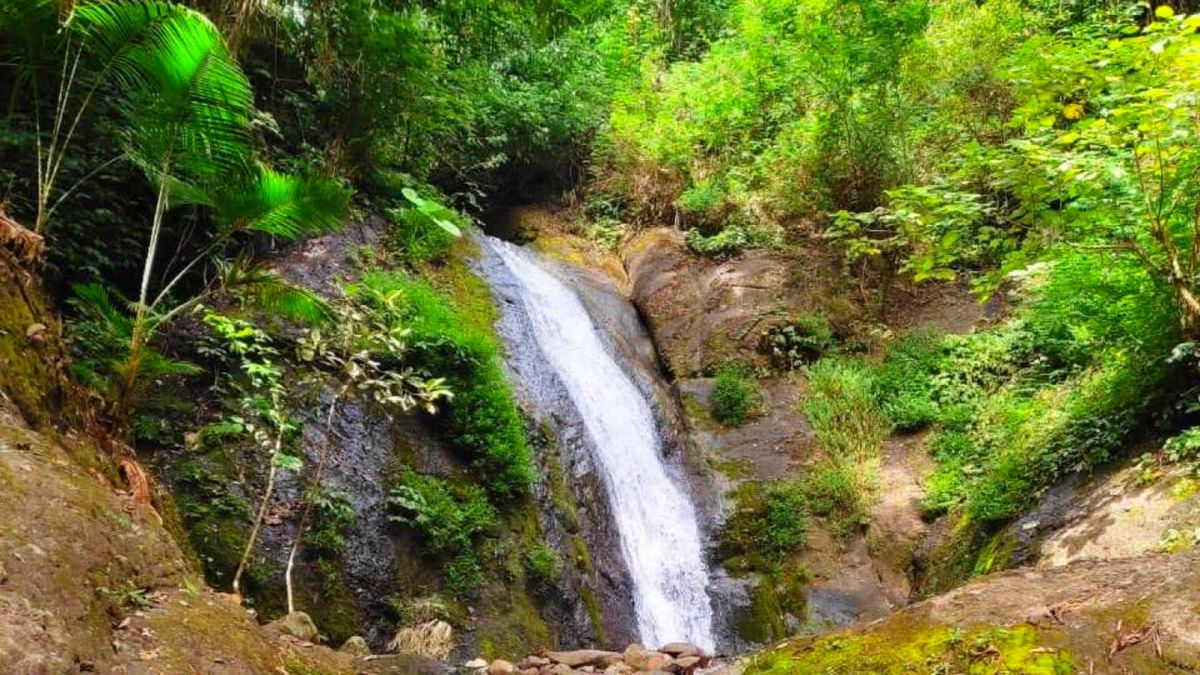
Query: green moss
point(776, 597)
point(591, 604)
point(996, 554)
point(515, 628)
point(27, 377)
point(327, 599)
point(581, 555)
point(562, 498)
point(953, 562)
point(918, 650)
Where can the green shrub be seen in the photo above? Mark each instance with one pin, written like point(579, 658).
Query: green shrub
point(463, 575)
point(447, 517)
point(483, 418)
point(733, 394)
point(801, 341)
point(770, 522)
point(542, 567)
point(905, 380)
point(731, 239)
point(783, 523)
point(944, 489)
point(416, 238)
point(334, 516)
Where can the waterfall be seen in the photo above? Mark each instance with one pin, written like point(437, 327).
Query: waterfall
point(656, 522)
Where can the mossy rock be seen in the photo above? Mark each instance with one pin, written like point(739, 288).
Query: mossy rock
point(1130, 615)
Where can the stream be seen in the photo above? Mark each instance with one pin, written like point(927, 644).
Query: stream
point(655, 520)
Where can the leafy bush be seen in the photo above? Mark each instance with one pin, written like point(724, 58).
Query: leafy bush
point(730, 240)
point(334, 516)
point(416, 238)
point(543, 567)
point(770, 522)
point(463, 575)
point(733, 394)
point(831, 493)
point(447, 517)
point(483, 417)
point(905, 380)
point(801, 341)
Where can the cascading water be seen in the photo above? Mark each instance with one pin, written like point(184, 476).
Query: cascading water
point(660, 538)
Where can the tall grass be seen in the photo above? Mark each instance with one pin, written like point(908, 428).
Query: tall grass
point(849, 426)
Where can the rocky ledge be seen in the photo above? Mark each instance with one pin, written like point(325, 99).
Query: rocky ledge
point(677, 657)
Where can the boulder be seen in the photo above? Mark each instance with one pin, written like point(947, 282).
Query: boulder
point(501, 667)
point(297, 624)
point(678, 649)
point(584, 657)
point(534, 661)
point(475, 665)
point(562, 669)
point(656, 661)
point(644, 660)
point(356, 646)
point(687, 664)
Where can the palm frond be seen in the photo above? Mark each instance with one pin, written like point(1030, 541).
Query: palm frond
point(187, 103)
point(282, 205)
point(298, 304)
point(94, 302)
point(257, 284)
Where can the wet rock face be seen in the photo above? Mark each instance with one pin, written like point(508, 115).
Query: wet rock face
point(703, 312)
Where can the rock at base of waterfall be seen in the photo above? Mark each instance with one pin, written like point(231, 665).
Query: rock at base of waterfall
point(679, 649)
point(534, 661)
point(297, 624)
point(584, 657)
point(683, 658)
point(501, 667)
point(356, 645)
point(475, 665)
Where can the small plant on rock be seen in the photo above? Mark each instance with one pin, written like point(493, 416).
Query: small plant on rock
point(733, 394)
point(794, 344)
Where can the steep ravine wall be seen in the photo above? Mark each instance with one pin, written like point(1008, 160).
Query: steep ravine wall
point(91, 580)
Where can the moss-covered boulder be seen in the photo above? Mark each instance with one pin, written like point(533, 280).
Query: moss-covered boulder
point(1134, 615)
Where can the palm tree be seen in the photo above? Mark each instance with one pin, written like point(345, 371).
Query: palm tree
point(188, 111)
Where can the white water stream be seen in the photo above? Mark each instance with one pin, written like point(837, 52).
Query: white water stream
point(660, 539)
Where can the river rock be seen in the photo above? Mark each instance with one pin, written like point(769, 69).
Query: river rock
point(296, 624)
point(475, 665)
point(640, 659)
point(560, 669)
point(355, 645)
point(678, 649)
point(534, 661)
point(584, 657)
point(687, 664)
point(656, 661)
point(501, 667)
